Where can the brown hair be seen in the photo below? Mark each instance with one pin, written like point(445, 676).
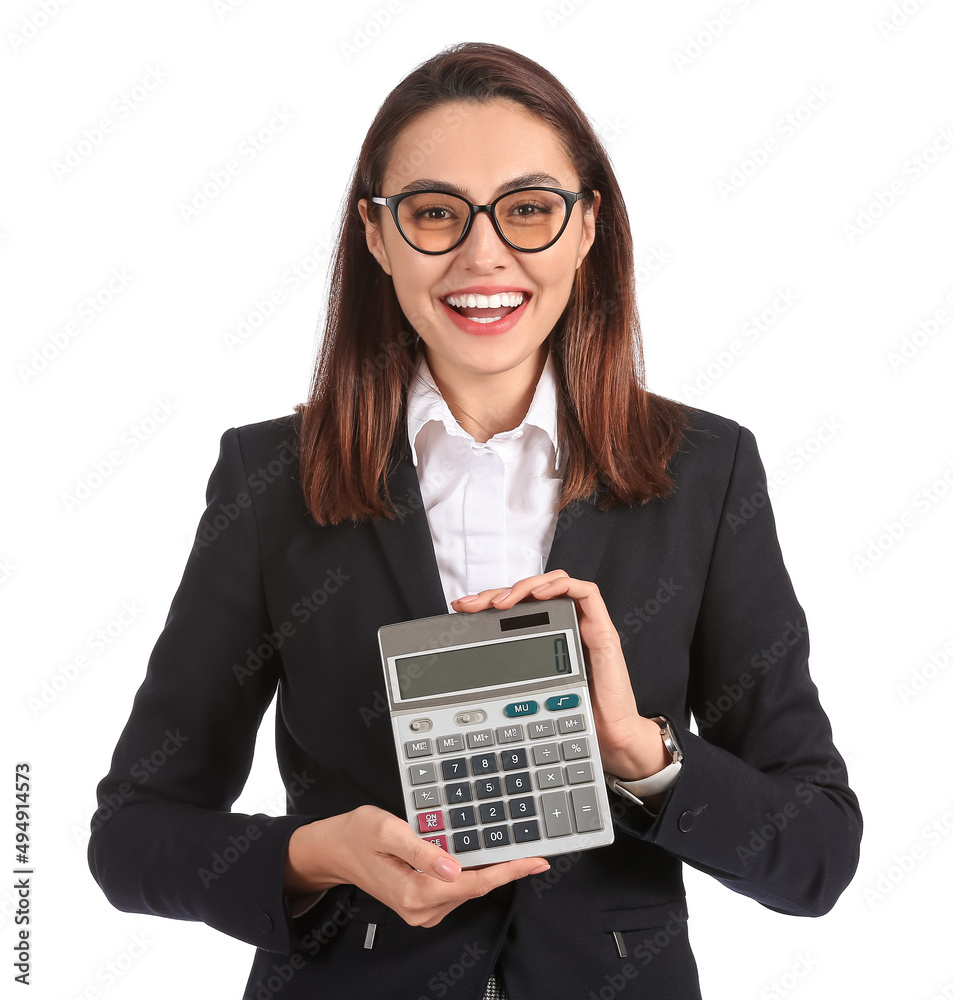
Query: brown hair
point(616, 436)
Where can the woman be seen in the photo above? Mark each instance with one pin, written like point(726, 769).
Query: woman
point(478, 434)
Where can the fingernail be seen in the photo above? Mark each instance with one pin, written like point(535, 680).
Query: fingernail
point(464, 600)
point(447, 869)
point(540, 870)
point(499, 597)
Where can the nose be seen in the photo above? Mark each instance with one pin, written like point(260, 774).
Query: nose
point(483, 249)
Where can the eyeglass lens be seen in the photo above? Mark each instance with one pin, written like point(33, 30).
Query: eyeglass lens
point(528, 219)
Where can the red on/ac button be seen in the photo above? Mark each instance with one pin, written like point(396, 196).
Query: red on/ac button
point(430, 822)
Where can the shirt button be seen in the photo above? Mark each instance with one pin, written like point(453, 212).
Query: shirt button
point(264, 923)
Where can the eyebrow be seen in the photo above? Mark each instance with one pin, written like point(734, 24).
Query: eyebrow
point(524, 180)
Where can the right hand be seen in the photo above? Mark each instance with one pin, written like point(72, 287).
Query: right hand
point(379, 852)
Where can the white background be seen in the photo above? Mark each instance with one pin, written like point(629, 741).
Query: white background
point(680, 107)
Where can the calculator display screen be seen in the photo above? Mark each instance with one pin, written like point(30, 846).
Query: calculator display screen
point(489, 664)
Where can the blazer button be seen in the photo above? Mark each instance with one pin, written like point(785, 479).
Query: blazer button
point(686, 821)
point(264, 923)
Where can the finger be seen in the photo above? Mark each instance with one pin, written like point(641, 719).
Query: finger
point(500, 597)
point(481, 881)
point(400, 841)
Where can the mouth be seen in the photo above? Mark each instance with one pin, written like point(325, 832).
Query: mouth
point(478, 313)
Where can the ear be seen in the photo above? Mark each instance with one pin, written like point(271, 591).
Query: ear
point(374, 237)
point(588, 227)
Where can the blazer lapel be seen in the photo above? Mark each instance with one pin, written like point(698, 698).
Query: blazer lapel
point(582, 534)
point(408, 546)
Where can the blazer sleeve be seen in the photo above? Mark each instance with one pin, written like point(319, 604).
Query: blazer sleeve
point(164, 840)
point(762, 801)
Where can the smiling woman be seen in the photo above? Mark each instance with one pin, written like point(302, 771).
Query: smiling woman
point(478, 434)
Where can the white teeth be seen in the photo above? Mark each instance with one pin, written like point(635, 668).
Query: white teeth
point(485, 319)
point(501, 299)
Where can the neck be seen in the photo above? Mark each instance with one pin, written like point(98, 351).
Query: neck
point(485, 405)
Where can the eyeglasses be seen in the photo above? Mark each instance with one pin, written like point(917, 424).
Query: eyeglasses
point(528, 219)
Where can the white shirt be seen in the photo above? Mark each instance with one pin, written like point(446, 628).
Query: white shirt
point(491, 506)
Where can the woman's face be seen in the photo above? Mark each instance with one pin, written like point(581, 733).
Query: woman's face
point(482, 150)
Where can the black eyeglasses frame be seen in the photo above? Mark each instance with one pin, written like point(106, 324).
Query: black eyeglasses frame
point(569, 197)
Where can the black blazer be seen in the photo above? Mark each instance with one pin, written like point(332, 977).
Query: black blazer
point(709, 624)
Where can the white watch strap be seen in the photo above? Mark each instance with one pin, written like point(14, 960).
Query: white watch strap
point(661, 781)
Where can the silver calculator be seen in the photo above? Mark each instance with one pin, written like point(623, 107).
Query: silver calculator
point(494, 732)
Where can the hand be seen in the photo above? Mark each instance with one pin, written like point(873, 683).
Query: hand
point(378, 852)
point(629, 743)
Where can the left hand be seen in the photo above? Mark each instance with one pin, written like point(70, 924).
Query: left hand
point(630, 744)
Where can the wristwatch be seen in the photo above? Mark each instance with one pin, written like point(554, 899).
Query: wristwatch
point(654, 783)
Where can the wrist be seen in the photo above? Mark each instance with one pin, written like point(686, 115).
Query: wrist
point(310, 861)
point(644, 756)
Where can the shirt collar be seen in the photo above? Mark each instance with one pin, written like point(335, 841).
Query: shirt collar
point(425, 404)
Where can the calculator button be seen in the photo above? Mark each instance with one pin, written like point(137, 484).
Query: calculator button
point(518, 784)
point(464, 816)
point(430, 822)
point(421, 726)
point(541, 729)
point(570, 724)
point(496, 836)
point(510, 734)
point(513, 759)
point(550, 777)
point(562, 702)
point(575, 749)
point(440, 840)
point(466, 841)
point(525, 832)
point(484, 765)
point(459, 793)
point(517, 709)
point(576, 774)
point(423, 774)
point(450, 744)
point(555, 812)
point(585, 807)
point(545, 753)
point(456, 768)
point(522, 807)
point(418, 748)
point(489, 788)
point(479, 739)
point(492, 812)
point(426, 797)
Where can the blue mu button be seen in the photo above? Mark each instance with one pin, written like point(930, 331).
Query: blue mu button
point(517, 709)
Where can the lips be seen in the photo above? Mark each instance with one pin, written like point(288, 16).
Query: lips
point(485, 310)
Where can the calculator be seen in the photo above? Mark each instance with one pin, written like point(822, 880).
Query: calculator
point(494, 732)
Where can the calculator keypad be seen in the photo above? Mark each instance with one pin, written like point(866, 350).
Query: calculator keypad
point(512, 784)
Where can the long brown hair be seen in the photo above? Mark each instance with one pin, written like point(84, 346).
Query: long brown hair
point(616, 436)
